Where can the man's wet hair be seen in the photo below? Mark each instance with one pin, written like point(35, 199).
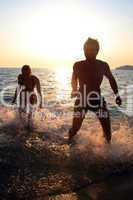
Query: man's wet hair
point(26, 70)
point(91, 41)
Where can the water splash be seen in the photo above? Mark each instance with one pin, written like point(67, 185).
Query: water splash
point(89, 143)
point(89, 159)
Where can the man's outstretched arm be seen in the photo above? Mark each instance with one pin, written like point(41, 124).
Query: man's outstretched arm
point(74, 83)
point(113, 83)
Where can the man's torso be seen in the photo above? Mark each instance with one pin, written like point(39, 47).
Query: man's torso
point(90, 74)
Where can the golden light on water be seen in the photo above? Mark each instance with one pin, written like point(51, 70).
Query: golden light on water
point(63, 76)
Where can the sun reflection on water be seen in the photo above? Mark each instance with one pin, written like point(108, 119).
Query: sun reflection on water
point(63, 80)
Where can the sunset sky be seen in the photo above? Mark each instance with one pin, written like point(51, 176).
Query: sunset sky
point(51, 33)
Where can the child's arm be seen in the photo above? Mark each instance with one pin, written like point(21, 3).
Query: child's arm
point(16, 91)
point(38, 86)
point(15, 97)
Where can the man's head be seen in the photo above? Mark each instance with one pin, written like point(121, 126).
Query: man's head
point(91, 48)
point(26, 70)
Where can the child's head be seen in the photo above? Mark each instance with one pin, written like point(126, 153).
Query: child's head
point(26, 70)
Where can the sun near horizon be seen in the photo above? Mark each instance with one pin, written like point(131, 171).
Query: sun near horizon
point(49, 34)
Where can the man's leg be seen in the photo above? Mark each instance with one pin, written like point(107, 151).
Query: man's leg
point(76, 124)
point(79, 115)
point(104, 118)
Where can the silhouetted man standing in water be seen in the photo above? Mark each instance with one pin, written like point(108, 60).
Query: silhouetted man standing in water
point(89, 75)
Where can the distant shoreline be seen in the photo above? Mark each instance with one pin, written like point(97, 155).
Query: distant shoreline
point(125, 67)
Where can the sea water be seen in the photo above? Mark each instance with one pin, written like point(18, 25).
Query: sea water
point(69, 167)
